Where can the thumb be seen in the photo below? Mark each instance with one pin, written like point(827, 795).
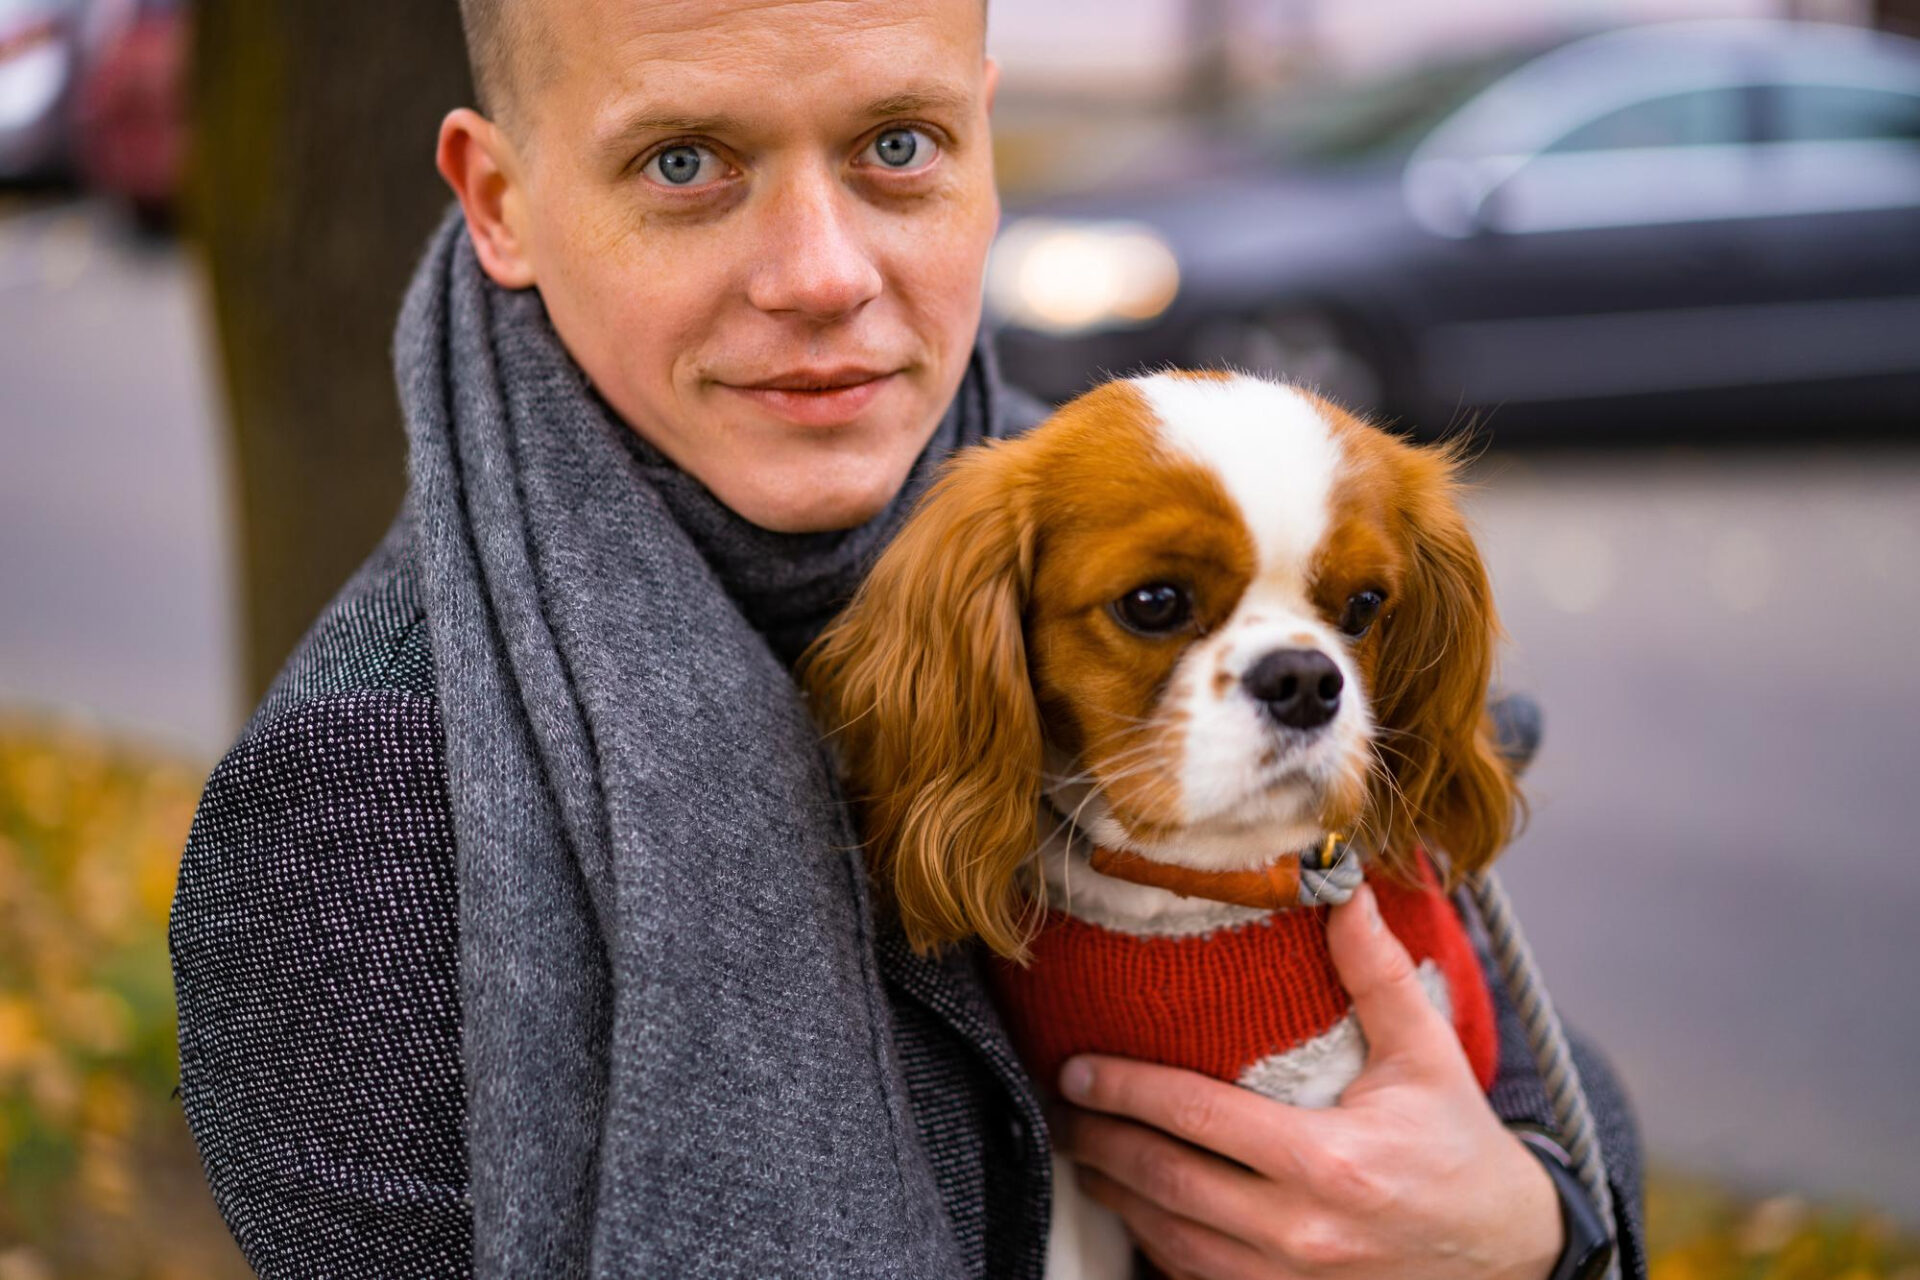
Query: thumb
point(1399, 1019)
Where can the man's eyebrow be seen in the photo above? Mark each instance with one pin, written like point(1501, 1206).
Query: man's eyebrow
point(622, 131)
point(918, 101)
point(626, 128)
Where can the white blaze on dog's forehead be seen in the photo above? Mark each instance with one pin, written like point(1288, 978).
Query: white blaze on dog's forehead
point(1271, 446)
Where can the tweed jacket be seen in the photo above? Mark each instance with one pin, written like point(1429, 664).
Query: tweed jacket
point(317, 976)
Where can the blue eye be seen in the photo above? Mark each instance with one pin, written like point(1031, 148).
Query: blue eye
point(683, 166)
point(904, 149)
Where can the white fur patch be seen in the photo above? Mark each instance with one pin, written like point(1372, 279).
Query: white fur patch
point(1246, 790)
point(1316, 1073)
point(1272, 448)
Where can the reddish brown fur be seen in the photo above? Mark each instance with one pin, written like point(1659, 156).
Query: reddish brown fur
point(922, 682)
point(988, 617)
point(1120, 512)
point(1429, 658)
point(986, 628)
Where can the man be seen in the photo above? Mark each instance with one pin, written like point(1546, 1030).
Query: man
point(522, 932)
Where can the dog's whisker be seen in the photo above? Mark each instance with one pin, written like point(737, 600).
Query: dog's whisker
point(1395, 794)
point(1130, 755)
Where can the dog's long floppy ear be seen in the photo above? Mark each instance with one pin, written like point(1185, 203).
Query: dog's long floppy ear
point(1450, 787)
point(922, 686)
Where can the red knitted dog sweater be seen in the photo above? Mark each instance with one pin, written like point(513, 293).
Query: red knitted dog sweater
point(1222, 1001)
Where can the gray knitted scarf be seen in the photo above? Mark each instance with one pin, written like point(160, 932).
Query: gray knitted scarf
point(676, 1044)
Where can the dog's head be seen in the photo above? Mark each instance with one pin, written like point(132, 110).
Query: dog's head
point(1212, 616)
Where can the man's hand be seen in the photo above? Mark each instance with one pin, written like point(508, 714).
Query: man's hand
point(1411, 1177)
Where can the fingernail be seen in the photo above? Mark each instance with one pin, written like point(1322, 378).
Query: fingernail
point(1374, 922)
point(1076, 1080)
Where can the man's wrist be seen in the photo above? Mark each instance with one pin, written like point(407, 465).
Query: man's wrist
point(1587, 1241)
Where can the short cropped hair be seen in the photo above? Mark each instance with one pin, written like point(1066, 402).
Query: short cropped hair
point(496, 33)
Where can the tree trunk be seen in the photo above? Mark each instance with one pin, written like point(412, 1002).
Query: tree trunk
point(312, 194)
point(1209, 69)
point(1898, 15)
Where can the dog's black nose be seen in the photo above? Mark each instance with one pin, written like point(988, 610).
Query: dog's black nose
point(1300, 687)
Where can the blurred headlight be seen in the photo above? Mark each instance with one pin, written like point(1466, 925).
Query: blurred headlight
point(1073, 277)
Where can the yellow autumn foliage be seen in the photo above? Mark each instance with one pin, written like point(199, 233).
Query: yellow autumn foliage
point(99, 1178)
point(1698, 1230)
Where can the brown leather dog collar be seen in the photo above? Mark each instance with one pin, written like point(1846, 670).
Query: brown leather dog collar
point(1274, 887)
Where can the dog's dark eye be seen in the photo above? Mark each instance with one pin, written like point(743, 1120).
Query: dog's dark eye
point(1156, 608)
point(1362, 608)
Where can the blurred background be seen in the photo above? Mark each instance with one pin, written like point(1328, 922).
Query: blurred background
point(1659, 258)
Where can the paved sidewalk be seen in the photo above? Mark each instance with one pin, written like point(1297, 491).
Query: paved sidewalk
point(1719, 877)
point(113, 499)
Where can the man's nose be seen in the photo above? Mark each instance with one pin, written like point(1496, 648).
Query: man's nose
point(1299, 687)
point(815, 262)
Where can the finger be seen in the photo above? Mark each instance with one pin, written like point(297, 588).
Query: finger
point(1177, 1245)
point(1220, 1117)
point(1181, 1179)
point(1161, 1267)
point(1400, 1020)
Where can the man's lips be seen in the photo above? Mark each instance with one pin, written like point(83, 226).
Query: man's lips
point(833, 378)
point(816, 397)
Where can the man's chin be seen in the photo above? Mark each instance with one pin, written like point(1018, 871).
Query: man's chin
point(810, 482)
point(810, 509)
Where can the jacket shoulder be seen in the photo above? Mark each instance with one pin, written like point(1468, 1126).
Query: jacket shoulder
point(371, 638)
point(314, 940)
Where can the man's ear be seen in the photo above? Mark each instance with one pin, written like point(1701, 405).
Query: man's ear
point(479, 162)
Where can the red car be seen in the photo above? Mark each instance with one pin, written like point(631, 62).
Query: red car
point(132, 111)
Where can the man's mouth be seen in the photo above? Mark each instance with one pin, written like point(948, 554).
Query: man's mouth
point(833, 379)
point(817, 397)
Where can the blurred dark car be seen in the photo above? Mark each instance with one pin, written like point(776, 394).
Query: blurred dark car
point(40, 53)
point(1670, 224)
point(133, 110)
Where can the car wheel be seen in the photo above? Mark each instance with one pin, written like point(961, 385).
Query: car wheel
point(1305, 346)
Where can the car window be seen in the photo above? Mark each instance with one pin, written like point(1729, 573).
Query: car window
point(1843, 113)
point(1701, 118)
point(1374, 116)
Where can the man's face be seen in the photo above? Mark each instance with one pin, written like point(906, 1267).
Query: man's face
point(760, 229)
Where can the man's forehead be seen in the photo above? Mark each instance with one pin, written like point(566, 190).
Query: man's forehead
point(741, 66)
point(700, 38)
point(676, 18)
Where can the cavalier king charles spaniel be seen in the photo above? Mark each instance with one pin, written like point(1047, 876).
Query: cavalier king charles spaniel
point(1132, 692)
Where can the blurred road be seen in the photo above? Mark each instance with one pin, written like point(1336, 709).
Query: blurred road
point(114, 582)
point(1717, 879)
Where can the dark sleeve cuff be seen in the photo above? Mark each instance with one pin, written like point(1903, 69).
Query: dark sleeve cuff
point(1588, 1245)
point(1519, 1098)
